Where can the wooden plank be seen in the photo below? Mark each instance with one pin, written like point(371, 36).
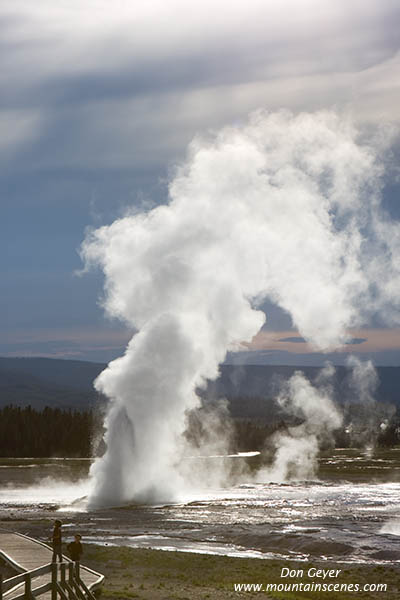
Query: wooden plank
point(61, 592)
point(20, 597)
point(13, 581)
point(70, 590)
point(38, 591)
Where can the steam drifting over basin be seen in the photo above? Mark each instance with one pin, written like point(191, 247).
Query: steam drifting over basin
point(283, 207)
point(351, 514)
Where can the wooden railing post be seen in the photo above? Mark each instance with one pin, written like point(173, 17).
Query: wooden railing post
point(66, 586)
point(28, 586)
point(62, 567)
point(70, 577)
point(54, 581)
point(82, 589)
point(78, 569)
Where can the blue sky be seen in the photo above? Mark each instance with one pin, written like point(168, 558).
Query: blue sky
point(99, 101)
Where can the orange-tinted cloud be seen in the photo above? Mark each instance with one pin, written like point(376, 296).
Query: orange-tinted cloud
point(363, 340)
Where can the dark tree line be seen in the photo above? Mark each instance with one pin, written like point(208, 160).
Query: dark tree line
point(249, 435)
point(52, 432)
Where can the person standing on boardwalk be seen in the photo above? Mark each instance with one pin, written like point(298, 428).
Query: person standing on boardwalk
point(75, 548)
point(57, 541)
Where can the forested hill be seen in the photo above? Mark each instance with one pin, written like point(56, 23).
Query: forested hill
point(41, 382)
point(260, 381)
point(76, 374)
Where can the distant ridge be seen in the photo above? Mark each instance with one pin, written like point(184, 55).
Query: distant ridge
point(69, 383)
point(259, 382)
point(76, 374)
point(41, 382)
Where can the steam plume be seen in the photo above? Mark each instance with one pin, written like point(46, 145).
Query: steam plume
point(366, 419)
point(285, 207)
point(297, 450)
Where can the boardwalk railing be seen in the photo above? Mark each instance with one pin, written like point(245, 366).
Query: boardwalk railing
point(65, 583)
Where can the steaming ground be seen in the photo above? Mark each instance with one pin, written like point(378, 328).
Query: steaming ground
point(350, 514)
point(282, 207)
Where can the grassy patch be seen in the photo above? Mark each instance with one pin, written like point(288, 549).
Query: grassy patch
point(160, 575)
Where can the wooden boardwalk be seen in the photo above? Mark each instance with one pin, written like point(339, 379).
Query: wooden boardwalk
point(26, 554)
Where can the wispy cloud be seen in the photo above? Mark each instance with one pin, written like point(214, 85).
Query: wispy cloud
point(363, 340)
point(82, 344)
point(301, 340)
point(101, 98)
point(131, 83)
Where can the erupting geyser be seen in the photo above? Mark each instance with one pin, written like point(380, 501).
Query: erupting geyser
point(284, 207)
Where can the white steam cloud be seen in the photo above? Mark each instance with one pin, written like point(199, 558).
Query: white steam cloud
point(366, 419)
point(297, 449)
point(284, 207)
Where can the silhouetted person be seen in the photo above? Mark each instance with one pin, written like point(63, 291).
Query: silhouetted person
point(57, 541)
point(75, 548)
